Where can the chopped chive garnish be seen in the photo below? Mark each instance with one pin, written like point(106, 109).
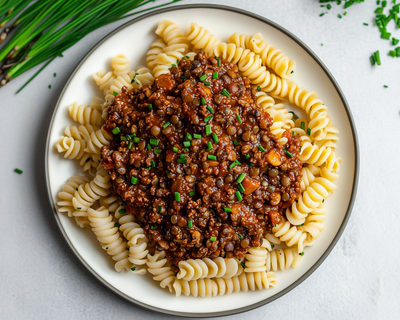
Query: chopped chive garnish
point(54, 75)
point(208, 119)
point(372, 59)
point(186, 144)
point(258, 88)
point(174, 65)
point(133, 268)
point(190, 223)
point(136, 139)
point(197, 136)
point(157, 151)
point(239, 119)
point(235, 142)
point(182, 160)
point(154, 142)
point(339, 16)
point(291, 72)
point(212, 239)
point(150, 106)
point(308, 131)
point(117, 225)
point(225, 93)
point(19, 171)
point(247, 156)
point(295, 116)
point(153, 164)
point(123, 138)
point(303, 125)
point(159, 208)
point(241, 177)
point(238, 196)
point(134, 180)
point(177, 196)
point(203, 101)
point(288, 153)
point(148, 146)
point(365, 24)
point(227, 209)
point(207, 83)
point(261, 148)
point(203, 77)
point(345, 13)
point(233, 164)
point(115, 93)
point(208, 130)
point(241, 188)
point(321, 14)
point(251, 164)
point(175, 149)
point(153, 228)
point(395, 41)
point(166, 125)
point(301, 254)
point(132, 135)
point(79, 208)
point(123, 203)
point(210, 109)
point(243, 265)
point(215, 75)
point(116, 130)
point(219, 62)
point(211, 157)
point(182, 156)
point(189, 136)
point(186, 149)
point(122, 211)
point(215, 138)
point(87, 160)
point(192, 193)
point(385, 86)
point(377, 58)
point(209, 146)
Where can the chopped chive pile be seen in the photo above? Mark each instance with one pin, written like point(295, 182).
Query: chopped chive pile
point(19, 171)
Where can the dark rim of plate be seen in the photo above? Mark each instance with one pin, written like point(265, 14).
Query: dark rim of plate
point(355, 181)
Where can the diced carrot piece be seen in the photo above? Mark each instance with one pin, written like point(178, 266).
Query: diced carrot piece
point(250, 185)
point(213, 163)
point(273, 158)
point(171, 156)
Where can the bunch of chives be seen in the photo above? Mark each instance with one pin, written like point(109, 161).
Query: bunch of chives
point(32, 32)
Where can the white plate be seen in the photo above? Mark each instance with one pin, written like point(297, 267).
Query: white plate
point(133, 39)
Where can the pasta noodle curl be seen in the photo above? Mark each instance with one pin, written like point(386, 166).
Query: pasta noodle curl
point(109, 237)
point(160, 268)
point(120, 65)
point(202, 39)
point(137, 242)
point(194, 269)
point(282, 259)
point(255, 259)
point(67, 193)
point(170, 32)
point(85, 115)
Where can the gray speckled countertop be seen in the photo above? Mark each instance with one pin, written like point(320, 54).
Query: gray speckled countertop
point(41, 278)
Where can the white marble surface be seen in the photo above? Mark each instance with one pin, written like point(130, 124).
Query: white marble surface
point(40, 277)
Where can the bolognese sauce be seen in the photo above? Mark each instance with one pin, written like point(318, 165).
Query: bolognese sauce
point(195, 161)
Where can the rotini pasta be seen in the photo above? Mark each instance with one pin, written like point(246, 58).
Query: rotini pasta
point(202, 39)
point(67, 193)
point(109, 237)
point(120, 65)
point(137, 242)
point(255, 259)
point(160, 268)
point(85, 115)
point(282, 259)
point(194, 269)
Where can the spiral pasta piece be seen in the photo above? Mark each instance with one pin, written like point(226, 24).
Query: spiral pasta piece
point(120, 65)
point(98, 139)
point(109, 237)
point(96, 103)
point(212, 287)
point(86, 195)
point(270, 56)
point(143, 77)
point(84, 115)
point(160, 268)
point(104, 80)
point(289, 234)
point(255, 259)
point(172, 35)
point(282, 259)
point(155, 49)
point(229, 52)
point(111, 203)
point(194, 269)
point(270, 241)
point(314, 221)
point(65, 196)
point(137, 243)
point(72, 149)
point(201, 39)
